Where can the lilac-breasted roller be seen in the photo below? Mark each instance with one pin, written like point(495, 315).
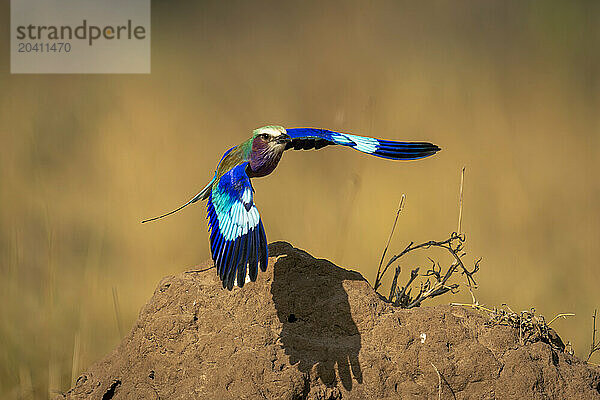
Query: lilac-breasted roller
point(237, 237)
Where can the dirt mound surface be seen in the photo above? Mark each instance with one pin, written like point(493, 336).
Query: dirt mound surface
point(308, 329)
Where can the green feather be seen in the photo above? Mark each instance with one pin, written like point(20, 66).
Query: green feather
point(238, 155)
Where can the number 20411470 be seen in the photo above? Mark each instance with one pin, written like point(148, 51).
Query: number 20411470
point(59, 47)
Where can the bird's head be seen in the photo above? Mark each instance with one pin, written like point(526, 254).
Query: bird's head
point(268, 144)
point(272, 138)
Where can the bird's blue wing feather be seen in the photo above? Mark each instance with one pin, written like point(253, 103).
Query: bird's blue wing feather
point(237, 238)
point(308, 138)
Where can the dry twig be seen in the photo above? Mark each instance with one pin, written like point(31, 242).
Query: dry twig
point(398, 211)
point(436, 282)
point(563, 315)
point(460, 199)
point(439, 381)
point(595, 346)
point(532, 327)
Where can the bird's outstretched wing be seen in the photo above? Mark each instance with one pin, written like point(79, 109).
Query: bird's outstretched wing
point(237, 238)
point(314, 138)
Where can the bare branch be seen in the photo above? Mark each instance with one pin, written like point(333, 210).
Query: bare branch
point(460, 199)
point(378, 277)
point(394, 283)
point(436, 283)
point(595, 346)
point(403, 298)
point(563, 315)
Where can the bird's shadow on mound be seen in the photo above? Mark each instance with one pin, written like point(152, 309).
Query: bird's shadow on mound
point(318, 330)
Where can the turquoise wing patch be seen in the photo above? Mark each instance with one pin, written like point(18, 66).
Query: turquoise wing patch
point(237, 237)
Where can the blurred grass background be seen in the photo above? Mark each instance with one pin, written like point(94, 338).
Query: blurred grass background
point(510, 89)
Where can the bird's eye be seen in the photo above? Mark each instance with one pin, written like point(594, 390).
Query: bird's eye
point(264, 136)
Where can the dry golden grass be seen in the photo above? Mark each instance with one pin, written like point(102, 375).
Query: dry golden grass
point(509, 90)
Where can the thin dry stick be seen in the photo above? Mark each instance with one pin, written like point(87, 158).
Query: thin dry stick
point(460, 200)
point(400, 207)
point(439, 381)
point(474, 306)
point(460, 212)
point(594, 347)
point(563, 315)
point(117, 312)
point(194, 271)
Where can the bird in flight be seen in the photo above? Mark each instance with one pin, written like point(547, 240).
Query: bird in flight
point(237, 237)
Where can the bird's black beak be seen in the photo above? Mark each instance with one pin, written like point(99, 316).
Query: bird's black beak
point(284, 138)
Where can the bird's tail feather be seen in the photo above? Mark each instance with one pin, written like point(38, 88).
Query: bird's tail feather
point(202, 195)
